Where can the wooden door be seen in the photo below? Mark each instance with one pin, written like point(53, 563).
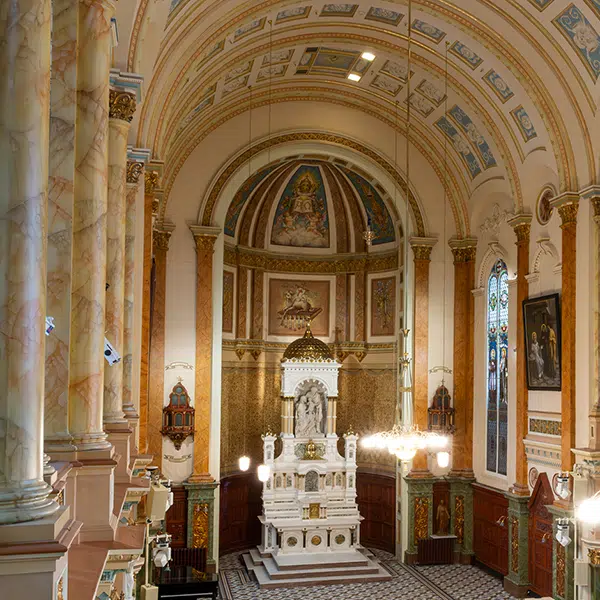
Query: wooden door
point(176, 518)
point(376, 497)
point(540, 537)
point(490, 528)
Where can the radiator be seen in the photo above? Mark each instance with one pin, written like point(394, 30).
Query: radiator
point(436, 551)
point(189, 557)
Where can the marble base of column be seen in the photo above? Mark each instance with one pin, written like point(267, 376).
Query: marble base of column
point(420, 515)
point(562, 558)
point(201, 519)
point(461, 517)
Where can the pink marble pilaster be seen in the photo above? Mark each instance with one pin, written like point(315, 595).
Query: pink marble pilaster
point(86, 376)
point(24, 136)
point(134, 171)
point(63, 108)
point(121, 110)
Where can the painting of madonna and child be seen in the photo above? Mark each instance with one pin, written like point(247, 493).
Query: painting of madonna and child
point(542, 342)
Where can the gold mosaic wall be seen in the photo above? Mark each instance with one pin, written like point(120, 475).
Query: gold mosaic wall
point(251, 402)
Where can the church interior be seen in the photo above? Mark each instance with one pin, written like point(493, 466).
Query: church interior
point(299, 299)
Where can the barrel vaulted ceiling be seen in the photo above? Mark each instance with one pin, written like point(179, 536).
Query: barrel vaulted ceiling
point(521, 93)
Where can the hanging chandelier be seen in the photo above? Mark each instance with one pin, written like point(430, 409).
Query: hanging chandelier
point(405, 438)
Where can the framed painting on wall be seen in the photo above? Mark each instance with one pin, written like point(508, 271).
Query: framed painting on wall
point(541, 319)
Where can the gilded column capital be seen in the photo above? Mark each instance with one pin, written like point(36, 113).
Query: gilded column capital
point(160, 239)
point(567, 205)
point(134, 170)
point(121, 105)
point(596, 206)
point(594, 556)
point(150, 181)
point(521, 225)
point(464, 250)
point(205, 237)
point(422, 247)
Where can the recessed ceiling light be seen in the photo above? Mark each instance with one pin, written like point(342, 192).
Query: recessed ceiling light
point(353, 76)
point(368, 56)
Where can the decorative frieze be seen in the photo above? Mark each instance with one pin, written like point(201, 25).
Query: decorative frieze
point(514, 544)
point(545, 426)
point(421, 518)
point(459, 518)
point(121, 105)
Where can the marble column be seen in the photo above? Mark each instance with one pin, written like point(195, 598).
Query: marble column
point(567, 205)
point(258, 301)
point(134, 171)
point(86, 369)
point(63, 108)
point(522, 227)
point(24, 136)
point(156, 393)
point(122, 109)
point(595, 412)
point(422, 258)
point(242, 303)
point(464, 280)
point(205, 238)
point(150, 183)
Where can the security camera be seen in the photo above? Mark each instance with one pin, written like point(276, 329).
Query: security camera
point(49, 325)
point(110, 354)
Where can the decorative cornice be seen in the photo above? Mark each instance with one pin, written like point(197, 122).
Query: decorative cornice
point(134, 170)
point(521, 225)
point(121, 105)
point(160, 240)
point(150, 181)
point(340, 263)
point(464, 250)
point(422, 247)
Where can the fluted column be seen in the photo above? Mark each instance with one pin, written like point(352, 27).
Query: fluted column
point(121, 111)
point(204, 238)
point(422, 257)
point(24, 124)
point(63, 109)
point(86, 376)
point(134, 171)
point(160, 243)
point(567, 205)
point(522, 227)
point(150, 183)
point(464, 252)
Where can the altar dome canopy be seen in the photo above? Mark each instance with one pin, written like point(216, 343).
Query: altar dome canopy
point(315, 206)
point(308, 349)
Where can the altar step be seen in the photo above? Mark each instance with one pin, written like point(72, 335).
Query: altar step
point(314, 569)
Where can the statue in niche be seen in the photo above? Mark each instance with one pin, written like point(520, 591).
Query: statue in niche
point(310, 412)
point(442, 518)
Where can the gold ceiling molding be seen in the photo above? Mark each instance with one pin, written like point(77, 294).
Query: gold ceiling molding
point(236, 256)
point(545, 104)
point(339, 140)
point(184, 108)
point(452, 17)
point(455, 195)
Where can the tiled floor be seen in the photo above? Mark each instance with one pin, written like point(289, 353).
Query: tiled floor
point(444, 582)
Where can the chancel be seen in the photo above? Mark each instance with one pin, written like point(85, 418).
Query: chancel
point(299, 295)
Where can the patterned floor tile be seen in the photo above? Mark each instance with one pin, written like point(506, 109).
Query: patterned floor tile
point(442, 582)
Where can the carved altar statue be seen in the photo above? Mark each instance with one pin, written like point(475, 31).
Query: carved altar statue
point(310, 522)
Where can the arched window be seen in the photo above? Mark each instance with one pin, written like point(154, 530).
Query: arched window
point(497, 372)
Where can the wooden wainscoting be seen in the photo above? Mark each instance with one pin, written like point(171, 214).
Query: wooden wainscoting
point(490, 539)
point(376, 503)
point(176, 517)
point(240, 507)
point(540, 537)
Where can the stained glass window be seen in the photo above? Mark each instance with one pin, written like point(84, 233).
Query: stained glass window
point(497, 372)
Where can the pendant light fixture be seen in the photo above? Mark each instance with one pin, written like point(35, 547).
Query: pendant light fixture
point(405, 438)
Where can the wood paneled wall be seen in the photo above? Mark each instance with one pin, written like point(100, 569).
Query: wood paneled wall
point(376, 503)
point(240, 508)
point(176, 517)
point(490, 539)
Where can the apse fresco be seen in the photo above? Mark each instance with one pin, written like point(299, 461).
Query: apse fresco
point(301, 219)
point(239, 200)
point(381, 222)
